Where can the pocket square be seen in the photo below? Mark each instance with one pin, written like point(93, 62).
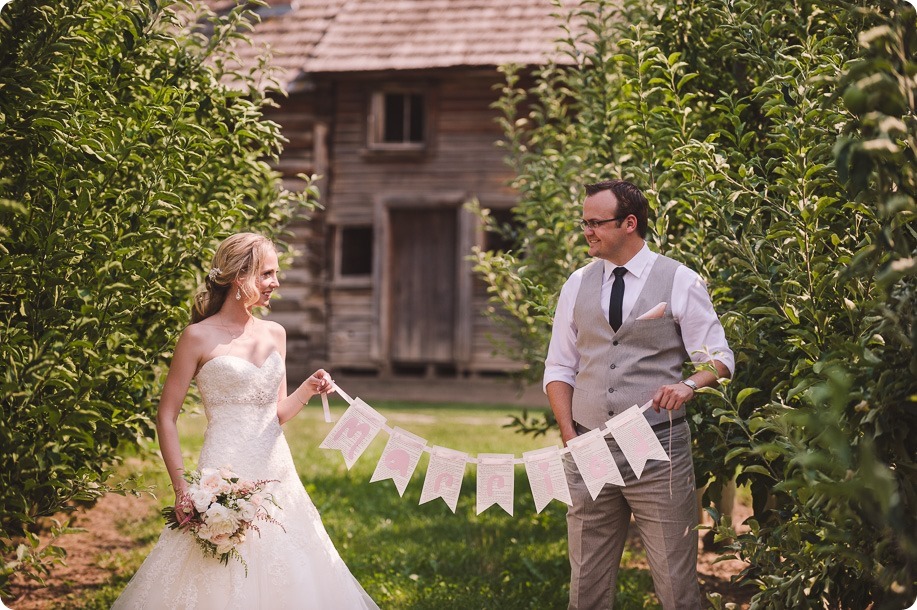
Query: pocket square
point(654, 313)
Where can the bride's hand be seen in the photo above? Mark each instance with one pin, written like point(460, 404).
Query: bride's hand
point(318, 382)
point(183, 507)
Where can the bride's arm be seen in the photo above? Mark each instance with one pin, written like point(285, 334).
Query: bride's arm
point(178, 380)
point(317, 383)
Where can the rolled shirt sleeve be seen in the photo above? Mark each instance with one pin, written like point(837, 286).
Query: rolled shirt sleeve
point(701, 331)
point(562, 362)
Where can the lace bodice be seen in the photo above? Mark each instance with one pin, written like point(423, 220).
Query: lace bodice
point(229, 380)
point(240, 400)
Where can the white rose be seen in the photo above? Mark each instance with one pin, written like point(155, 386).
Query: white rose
point(207, 471)
point(227, 473)
point(221, 520)
point(247, 510)
point(201, 498)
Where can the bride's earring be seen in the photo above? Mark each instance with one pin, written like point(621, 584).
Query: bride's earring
point(238, 294)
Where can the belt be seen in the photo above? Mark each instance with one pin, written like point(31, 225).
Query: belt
point(581, 429)
point(665, 424)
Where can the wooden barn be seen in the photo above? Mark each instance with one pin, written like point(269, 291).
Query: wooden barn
point(390, 102)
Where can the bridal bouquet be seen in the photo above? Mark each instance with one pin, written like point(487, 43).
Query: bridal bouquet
point(218, 508)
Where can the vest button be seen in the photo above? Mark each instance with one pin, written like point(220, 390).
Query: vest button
point(614, 342)
point(611, 390)
point(613, 366)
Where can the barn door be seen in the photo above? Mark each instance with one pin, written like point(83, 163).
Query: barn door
point(423, 287)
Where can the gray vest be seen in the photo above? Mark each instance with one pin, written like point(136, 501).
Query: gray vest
point(619, 370)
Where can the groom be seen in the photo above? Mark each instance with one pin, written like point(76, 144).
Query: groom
point(624, 327)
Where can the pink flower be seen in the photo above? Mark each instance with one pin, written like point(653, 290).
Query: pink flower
point(223, 543)
point(211, 480)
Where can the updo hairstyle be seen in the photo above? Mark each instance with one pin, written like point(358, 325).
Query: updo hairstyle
point(238, 257)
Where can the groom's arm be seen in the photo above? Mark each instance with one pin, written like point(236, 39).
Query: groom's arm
point(560, 397)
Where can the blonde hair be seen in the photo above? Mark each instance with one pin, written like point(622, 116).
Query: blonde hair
point(238, 257)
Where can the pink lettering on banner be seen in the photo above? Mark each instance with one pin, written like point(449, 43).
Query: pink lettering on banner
point(597, 467)
point(545, 471)
point(495, 481)
point(641, 446)
point(355, 429)
point(445, 479)
point(398, 460)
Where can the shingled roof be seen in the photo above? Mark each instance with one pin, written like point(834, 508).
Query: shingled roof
point(323, 36)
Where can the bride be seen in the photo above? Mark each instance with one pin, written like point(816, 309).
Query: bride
point(238, 362)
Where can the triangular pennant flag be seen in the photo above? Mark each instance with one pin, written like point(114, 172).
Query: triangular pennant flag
point(636, 439)
point(496, 481)
point(353, 433)
point(444, 476)
point(399, 458)
point(547, 478)
point(596, 464)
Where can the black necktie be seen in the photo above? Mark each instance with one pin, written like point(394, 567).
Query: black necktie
point(617, 299)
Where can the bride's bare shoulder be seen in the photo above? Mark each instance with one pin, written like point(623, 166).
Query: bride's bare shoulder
point(200, 330)
point(277, 333)
point(193, 344)
point(274, 329)
point(200, 335)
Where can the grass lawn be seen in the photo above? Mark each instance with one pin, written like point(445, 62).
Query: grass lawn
point(404, 554)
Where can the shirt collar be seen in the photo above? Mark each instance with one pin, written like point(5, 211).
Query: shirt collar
point(637, 265)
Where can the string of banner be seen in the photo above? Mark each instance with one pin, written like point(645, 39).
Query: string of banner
point(360, 424)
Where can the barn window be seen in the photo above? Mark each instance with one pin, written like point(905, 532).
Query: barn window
point(354, 252)
point(398, 120)
point(501, 241)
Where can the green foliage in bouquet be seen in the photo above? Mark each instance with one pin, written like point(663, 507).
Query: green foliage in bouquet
point(776, 144)
point(128, 145)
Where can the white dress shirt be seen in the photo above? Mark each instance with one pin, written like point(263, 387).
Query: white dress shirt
point(701, 331)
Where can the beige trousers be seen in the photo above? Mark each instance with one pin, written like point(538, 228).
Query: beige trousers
point(597, 529)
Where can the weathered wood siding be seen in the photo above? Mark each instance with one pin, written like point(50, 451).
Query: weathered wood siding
point(460, 163)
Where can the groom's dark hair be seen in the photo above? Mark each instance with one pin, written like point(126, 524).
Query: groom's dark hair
point(631, 200)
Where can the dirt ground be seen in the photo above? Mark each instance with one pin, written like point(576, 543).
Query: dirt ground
point(82, 573)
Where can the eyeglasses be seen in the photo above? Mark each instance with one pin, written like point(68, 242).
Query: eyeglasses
point(595, 224)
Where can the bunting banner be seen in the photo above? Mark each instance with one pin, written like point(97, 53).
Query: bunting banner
point(444, 476)
point(495, 481)
point(399, 459)
point(360, 424)
point(636, 439)
point(595, 462)
point(354, 431)
point(547, 478)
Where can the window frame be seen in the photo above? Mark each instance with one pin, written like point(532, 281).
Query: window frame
point(376, 120)
point(356, 280)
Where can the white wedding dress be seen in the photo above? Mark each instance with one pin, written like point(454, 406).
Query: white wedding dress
point(298, 568)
